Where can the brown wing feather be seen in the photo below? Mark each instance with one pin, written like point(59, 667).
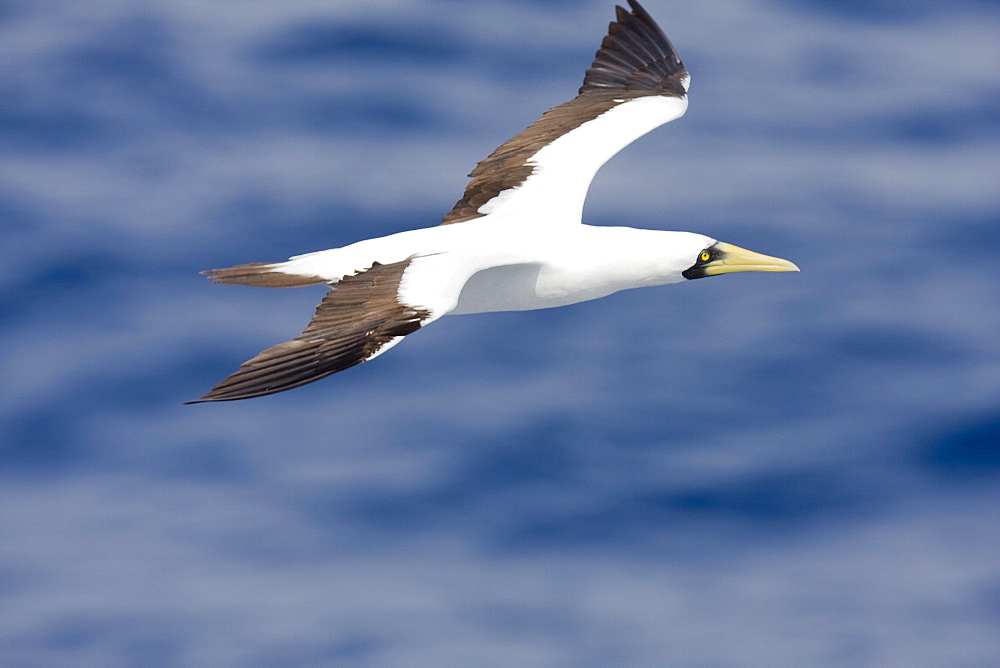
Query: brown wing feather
point(508, 166)
point(635, 59)
point(360, 315)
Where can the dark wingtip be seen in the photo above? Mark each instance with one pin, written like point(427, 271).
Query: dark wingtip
point(636, 56)
point(211, 397)
point(204, 399)
point(200, 400)
point(223, 391)
point(637, 8)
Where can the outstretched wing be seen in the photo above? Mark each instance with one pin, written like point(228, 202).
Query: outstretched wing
point(362, 316)
point(636, 83)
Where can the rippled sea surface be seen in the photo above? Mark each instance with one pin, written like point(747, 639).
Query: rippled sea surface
point(760, 469)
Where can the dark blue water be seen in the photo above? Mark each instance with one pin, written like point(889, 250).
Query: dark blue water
point(753, 470)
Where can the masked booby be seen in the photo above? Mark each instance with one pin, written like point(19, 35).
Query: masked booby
point(513, 242)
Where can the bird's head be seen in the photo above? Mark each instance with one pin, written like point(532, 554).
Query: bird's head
point(722, 258)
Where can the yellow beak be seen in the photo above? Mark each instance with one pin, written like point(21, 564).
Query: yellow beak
point(734, 259)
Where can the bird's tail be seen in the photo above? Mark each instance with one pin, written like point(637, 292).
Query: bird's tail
point(262, 274)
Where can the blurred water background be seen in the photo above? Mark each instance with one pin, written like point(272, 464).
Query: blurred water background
point(752, 470)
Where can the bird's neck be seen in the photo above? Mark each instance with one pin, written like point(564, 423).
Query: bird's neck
point(637, 257)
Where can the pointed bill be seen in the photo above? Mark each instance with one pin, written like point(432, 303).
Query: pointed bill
point(734, 259)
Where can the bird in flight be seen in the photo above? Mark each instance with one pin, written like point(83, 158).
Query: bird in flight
point(513, 242)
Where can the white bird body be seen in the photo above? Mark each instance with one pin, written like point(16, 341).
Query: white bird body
point(490, 266)
point(514, 242)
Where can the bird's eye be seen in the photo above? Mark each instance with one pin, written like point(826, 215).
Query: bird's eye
point(705, 256)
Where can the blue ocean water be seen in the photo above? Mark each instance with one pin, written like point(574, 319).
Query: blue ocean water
point(752, 470)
